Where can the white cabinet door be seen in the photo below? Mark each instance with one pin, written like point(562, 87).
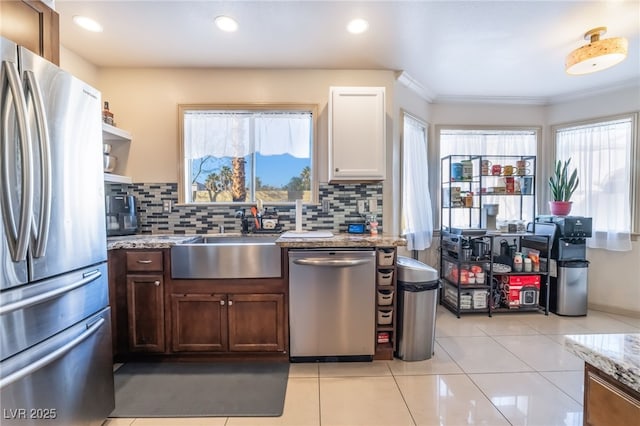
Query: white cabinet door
point(356, 134)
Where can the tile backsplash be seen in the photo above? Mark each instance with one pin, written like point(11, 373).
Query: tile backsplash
point(205, 219)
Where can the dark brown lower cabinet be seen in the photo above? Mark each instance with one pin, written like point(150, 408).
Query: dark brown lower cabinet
point(145, 311)
point(199, 322)
point(608, 402)
point(156, 317)
point(227, 323)
point(255, 322)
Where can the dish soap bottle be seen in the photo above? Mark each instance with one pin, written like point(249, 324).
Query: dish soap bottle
point(373, 224)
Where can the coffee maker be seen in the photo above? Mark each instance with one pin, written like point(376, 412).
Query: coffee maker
point(488, 216)
point(122, 216)
point(568, 282)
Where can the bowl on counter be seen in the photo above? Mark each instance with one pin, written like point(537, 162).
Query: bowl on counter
point(109, 163)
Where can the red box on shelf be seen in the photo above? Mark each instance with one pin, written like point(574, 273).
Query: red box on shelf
point(521, 290)
point(520, 280)
point(383, 337)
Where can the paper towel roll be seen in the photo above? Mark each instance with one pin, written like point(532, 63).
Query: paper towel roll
point(298, 215)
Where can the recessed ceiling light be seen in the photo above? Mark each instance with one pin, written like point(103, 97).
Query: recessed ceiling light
point(226, 23)
point(357, 26)
point(87, 23)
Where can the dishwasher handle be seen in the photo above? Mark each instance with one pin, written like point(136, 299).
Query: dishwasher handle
point(327, 261)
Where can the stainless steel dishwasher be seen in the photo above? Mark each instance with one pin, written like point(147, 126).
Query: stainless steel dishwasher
point(332, 304)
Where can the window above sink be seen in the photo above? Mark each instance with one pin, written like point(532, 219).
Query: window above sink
point(239, 154)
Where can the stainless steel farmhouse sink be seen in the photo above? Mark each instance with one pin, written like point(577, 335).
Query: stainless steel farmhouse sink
point(227, 257)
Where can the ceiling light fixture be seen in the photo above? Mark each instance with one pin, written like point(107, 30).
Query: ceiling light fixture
point(87, 23)
point(357, 26)
point(598, 54)
point(226, 23)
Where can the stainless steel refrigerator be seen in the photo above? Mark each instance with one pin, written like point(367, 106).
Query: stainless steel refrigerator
point(55, 337)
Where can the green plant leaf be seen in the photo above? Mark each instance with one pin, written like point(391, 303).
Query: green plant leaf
point(562, 184)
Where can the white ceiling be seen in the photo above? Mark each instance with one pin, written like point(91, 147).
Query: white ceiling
point(500, 50)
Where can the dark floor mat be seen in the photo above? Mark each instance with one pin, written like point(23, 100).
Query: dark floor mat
point(217, 389)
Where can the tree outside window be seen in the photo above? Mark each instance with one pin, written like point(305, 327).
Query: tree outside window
point(238, 156)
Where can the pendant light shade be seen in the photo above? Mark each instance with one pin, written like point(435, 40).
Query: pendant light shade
point(598, 54)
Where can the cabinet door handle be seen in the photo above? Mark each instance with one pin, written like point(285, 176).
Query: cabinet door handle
point(145, 262)
point(337, 169)
point(222, 302)
point(156, 283)
point(230, 302)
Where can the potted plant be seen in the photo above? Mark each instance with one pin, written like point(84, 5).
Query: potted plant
point(562, 187)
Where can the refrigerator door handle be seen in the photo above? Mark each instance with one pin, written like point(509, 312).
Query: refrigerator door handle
point(34, 300)
point(40, 230)
point(52, 356)
point(17, 237)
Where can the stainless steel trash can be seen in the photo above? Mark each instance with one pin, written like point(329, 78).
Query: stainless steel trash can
point(417, 298)
point(572, 288)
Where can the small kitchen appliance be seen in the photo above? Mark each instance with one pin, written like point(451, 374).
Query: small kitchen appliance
point(464, 244)
point(489, 214)
point(568, 264)
point(121, 215)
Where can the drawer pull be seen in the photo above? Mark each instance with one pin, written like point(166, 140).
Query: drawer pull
point(156, 283)
point(230, 302)
point(222, 302)
point(145, 262)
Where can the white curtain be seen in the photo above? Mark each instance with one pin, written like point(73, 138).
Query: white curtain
point(488, 143)
point(416, 198)
point(601, 153)
point(230, 134)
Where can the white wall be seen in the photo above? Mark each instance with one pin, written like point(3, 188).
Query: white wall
point(145, 102)
point(77, 66)
point(613, 282)
point(619, 101)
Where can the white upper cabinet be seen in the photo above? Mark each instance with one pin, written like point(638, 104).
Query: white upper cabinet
point(356, 134)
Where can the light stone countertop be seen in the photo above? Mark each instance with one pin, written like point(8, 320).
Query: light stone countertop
point(343, 240)
point(160, 241)
point(617, 355)
point(148, 241)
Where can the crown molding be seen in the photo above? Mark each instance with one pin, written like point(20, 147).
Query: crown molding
point(632, 83)
point(492, 100)
point(431, 97)
point(406, 80)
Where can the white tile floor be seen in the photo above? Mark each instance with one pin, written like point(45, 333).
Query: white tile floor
point(511, 369)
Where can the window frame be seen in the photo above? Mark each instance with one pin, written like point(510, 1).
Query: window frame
point(634, 188)
point(436, 173)
point(404, 114)
point(294, 107)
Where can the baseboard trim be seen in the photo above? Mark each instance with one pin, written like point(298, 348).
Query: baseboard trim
point(614, 310)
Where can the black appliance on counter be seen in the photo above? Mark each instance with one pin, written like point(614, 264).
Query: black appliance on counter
point(568, 264)
point(122, 217)
point(465, 244)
